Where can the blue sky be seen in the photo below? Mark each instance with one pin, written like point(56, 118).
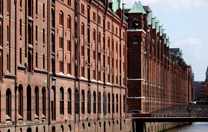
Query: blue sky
point(186, 23)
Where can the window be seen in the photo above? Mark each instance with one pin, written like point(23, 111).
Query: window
point(69, 22)
point(8, 33)
point(20, 27)
point(94, 35)
point(8, 63)
point(36, 59)
point(44, 36)
point(29, 102)
point(61, 100)
point(83, 101)
point(20, 100)
point(44, 100)
point(53, 103)
point(30, 32)
point(124, 103)
point(99, 102)
point(20, 2)
point(77, 101)
point(36, 33)
point(36, 101)
point(69, 2)
point(43, 61)
point(36, 7)
point(1, 7)
point(69, 101)
point(9, 103)
point(43, 11)
point(61, 66)
point(117, 103)
point(94, 102)
point(82, 8)
point(89, 102)
point(113, 110)
point(69, 45)
point(8, 5)
point(61, 18)
point(30, 8)
point(108, 102)
point(82, 29)
point(30, 61)
point(68, 68)
point(61, 42)
point(104, 103)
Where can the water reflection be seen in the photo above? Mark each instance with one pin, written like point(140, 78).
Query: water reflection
point(195, 127)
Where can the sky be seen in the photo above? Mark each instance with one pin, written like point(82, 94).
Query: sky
point(186, 23)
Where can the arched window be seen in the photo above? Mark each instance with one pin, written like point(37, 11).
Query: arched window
point(99, 102)
point(29, 130)
point(61, 18)
point(89, 102)
point(69, 101)
point(94, 102)
point(36, 129)
point(61, 100)
point(77, 101)
point(36, 101)
point(83, 101)
point(53, 129)
point(104, 103)
point(20, 100)
point(108, 102)
point(29, 103)
point(44, 100)
point(9, 102)
point(53, 104)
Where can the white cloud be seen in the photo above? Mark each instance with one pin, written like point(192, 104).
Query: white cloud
point(173, 3)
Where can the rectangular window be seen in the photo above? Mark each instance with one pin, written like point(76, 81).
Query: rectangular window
point(36, 33)
point(8, 63)
point(43, 11)
point(36, 7)
point(44, 36)
point(69, 45)
point(69, 68)
point(61, 42)
point(43, 61)
point(61, 66)
point(20, 27)
point(20, 55)
point(36, 59)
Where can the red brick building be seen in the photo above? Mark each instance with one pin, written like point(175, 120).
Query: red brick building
point(62, 66)
point(158, 77)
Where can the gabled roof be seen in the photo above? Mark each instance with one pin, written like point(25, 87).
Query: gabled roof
point(137, 8)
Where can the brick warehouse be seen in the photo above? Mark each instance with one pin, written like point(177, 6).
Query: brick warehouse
point(62, 66)
point(158, 77)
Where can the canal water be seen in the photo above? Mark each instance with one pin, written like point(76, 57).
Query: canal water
point(195, 127)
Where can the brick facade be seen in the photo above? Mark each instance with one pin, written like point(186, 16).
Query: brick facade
point(158, 77)
point(62, 66)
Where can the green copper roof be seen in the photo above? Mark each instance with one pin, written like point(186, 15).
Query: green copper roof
point(157, 23)
point(149, 19)
point(153, 23)
point(116, 5)
point(137, 8)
